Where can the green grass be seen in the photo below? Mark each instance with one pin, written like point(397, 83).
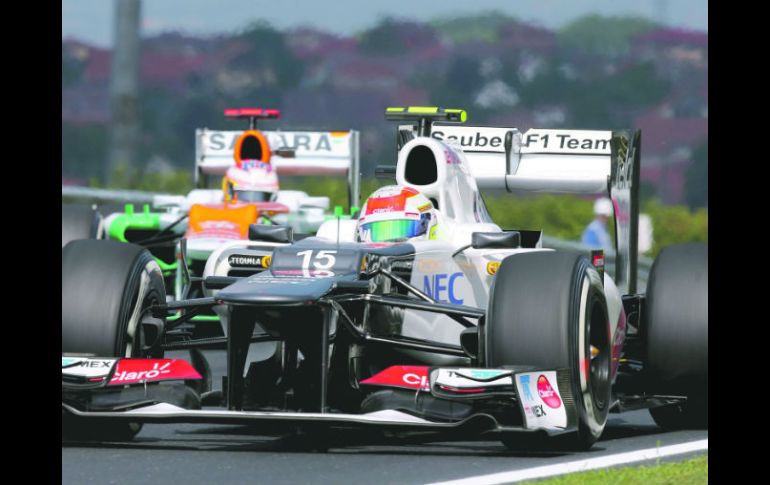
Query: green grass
point(695, 470)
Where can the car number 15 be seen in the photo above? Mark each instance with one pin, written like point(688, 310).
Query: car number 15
point(322, 262)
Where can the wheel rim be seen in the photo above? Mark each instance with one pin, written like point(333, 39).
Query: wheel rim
point(149, 296)
point(598, 354)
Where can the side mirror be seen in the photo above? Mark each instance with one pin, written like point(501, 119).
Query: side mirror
point(485, 240)
point(271, 233)
point(507, 239)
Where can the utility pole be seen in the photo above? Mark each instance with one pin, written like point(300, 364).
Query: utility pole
point(124, 88)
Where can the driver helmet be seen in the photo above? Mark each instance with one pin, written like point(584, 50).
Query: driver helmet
point(251, 181)
point(396, 214)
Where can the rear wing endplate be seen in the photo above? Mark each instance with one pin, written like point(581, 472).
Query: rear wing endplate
point(315, 153)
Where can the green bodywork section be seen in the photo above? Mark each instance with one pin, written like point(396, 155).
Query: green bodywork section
point(131, 220)
point(339, 213)
point(144, 220)
point(430, 112)
point(196, 318)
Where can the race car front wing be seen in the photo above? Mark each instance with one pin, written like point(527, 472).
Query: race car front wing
point(130, 390)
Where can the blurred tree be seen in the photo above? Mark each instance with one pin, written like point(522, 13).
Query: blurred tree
point(549, 86)
point(392, 37)
point(482, 27)
point(614, 100)
point(125, 177)
point(71, 70)
point(195, 112)
point(160, 112)
point(675, 224)
point(269, 58)
point(561, 216)
point(647, 191)
point(596, 35)
point(457, 87)
point(696, 184)
point(84, 147)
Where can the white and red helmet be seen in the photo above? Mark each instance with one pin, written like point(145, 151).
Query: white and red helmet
point(251, 181)
point(396, 214)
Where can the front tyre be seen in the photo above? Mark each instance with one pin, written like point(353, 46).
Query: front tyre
point(547, 309)
point(107, 288)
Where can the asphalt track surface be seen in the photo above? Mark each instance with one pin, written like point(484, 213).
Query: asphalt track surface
point(191, 454)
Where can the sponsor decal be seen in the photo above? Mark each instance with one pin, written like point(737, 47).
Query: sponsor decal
point(485, 374)
point(218, 141)
point(385, 210)
point(425, 207)
point(492, 267)
point(476, 140)
point(242, 260)
point(404, 376)
point(462, 380)
point(389, 200)
point(546, 393)
point(538, 410)
point(86, 367)
point(441, 287)
point(215, 229)
point(573, 141)
point(540, 401)
point(524, 380)
point(69, 361)
point(362, 269)
point(132, 371)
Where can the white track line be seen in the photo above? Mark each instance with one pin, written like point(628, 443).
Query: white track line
point(580, 465)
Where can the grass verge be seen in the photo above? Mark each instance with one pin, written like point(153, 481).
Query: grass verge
point(695, 470)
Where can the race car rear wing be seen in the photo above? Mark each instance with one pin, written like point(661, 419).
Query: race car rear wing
point(314, 153)
point(557, 160)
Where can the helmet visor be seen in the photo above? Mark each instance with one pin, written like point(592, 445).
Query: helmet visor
point(392, 231)
point(253, 196)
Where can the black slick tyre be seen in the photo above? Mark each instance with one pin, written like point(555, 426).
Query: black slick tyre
point(107, 286)
point(548, 310)
point(676, 334)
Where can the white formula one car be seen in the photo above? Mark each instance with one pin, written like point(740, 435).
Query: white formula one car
point(475, 332)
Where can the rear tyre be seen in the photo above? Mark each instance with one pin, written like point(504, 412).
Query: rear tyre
point(676, 333)
point(548, 309)
point(107, 287)
point(78, 221)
